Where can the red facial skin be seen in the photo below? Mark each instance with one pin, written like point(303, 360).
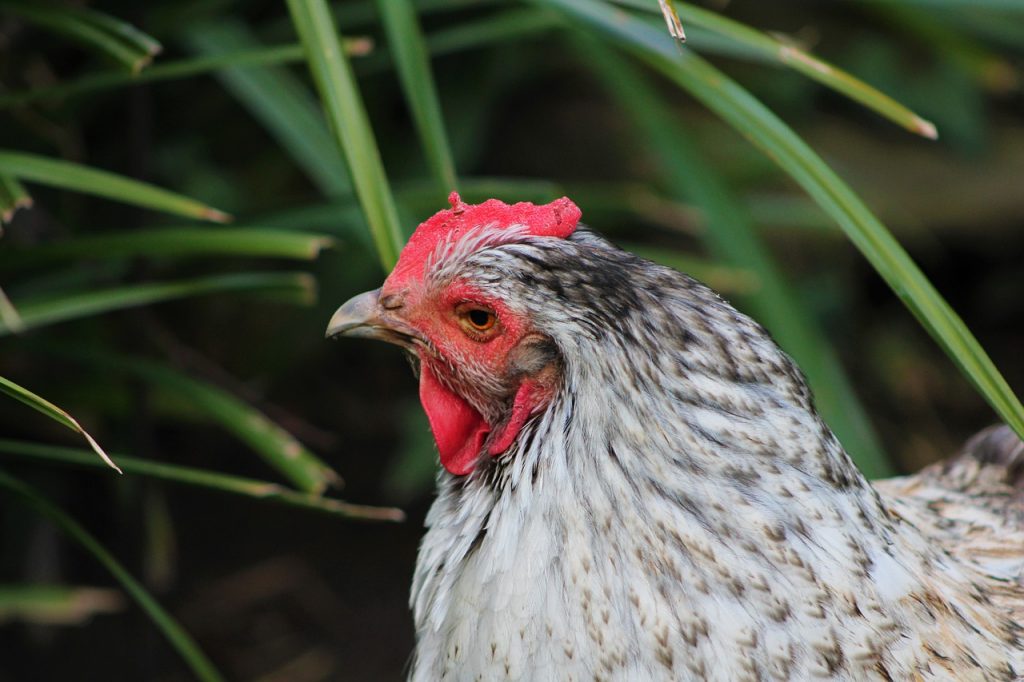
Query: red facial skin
point(459, 429)
point(484, 374)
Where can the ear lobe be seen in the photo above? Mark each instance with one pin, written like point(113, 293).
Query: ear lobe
point(532, 355)
point(531, 397)
point(536, 359)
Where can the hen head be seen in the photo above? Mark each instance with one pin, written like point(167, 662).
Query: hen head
point(485, 365)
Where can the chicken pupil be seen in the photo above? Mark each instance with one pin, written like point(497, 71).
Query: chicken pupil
point(479, 318)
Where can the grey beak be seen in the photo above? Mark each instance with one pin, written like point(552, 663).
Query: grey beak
point(363, 317)
point(356, 317)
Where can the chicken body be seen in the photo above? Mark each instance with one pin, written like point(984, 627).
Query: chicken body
point(675, 509)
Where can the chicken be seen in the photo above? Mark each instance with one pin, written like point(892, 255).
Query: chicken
point(637, 486)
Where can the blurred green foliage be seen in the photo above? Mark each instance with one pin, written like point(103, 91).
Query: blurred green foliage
point(327, 132)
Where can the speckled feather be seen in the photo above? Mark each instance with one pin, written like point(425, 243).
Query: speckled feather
point(681, 512)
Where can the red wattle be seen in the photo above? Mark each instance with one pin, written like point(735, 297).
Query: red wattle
point(529, 398)
point(459, 430)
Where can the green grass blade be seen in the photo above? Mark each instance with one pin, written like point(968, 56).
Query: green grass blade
point(747, 115)
point(409, 50)
point(487, 31)
point(9, 315)
point(785, 54)
point(342, 218)
point(278, 448)
point(279, 101)
point(172, 242)
point(731, 238)
point(364, 12)
point(79, 178)
point(103, 33)
point(201, 478)
point(510, 25)
point(946, 36)
point(175, 634)
point(41, 311)
point(40, 404)
point(128, 33)
point(790, 211)
point(13, 196)
point(56, 604)
point(184, 68)
point(343, 104)
point(992, 30)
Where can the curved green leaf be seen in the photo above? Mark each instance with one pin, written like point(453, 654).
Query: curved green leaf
point(41, 311)
point(280, 101)
point(409, 50)
point(786, 54)
point(53, 412)
point(56, 604)
point(201, 478)
point(344, 106)
point(108, 35)
point(13, 196)
point(184, 68)
point(79, 178)
point(512, 24)
point(172, 242)
point(278, 448)
point(200, 665)
point(509, 25)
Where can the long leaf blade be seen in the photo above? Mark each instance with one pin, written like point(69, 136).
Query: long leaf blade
point(278, 448)
point(509, 25)
point(127, 32)
point(13, 196)
point(201, 478)
point(175, 634)
point(56, 604)
point(276, 98)
point(183, 68)
point(412, 59)
point(79, 178)
point(785, 54)
point(44, 406)
point(173, 242)
point(343, 104)
point(490, 30)
point(108, 35)
point(39, 312)
point(9, 315)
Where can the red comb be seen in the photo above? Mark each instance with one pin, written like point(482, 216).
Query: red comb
point(557, 219)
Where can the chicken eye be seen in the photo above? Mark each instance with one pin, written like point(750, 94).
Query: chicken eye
point(479, 319)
